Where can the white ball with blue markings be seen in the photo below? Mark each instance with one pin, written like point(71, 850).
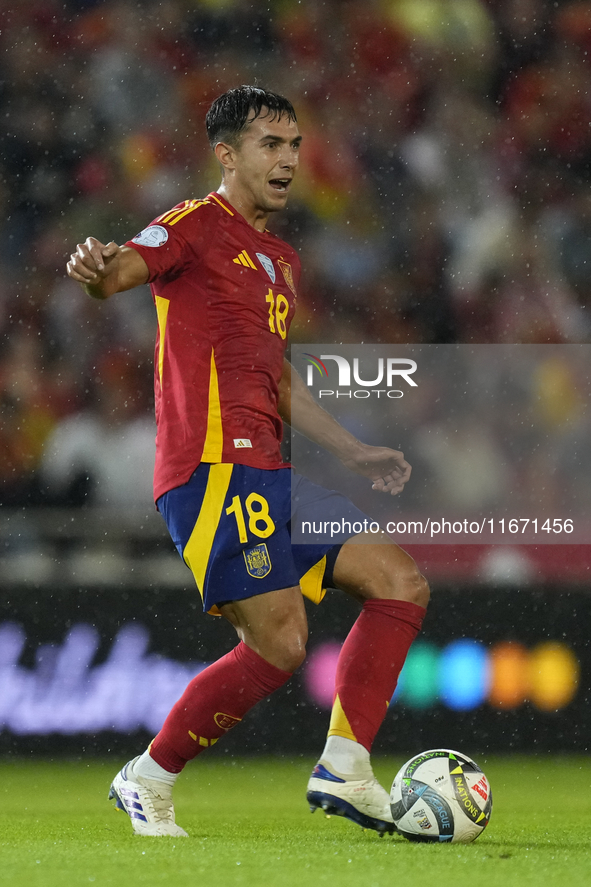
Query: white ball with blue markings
point(441, 796)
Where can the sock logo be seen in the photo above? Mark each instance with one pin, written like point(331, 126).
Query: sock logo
point(225, 722)
point(203, 740)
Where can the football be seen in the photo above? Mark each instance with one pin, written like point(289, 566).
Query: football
point(441, 795)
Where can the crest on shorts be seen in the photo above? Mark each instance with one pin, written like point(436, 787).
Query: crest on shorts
point(287, 275)
point(258, 562)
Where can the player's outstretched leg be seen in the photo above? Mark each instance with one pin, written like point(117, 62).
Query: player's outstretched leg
point(394, 596)
point(214, 702)
point(147, 802)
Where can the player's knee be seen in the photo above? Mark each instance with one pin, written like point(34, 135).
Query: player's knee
point(410, 585)
point(284, 644)
point(286, 652)
point(404, 584)
point(293, 655)
point(416, 590)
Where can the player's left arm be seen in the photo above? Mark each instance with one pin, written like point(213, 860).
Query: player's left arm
point(387, 468)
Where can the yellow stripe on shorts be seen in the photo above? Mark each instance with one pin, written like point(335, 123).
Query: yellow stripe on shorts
point(198, 549)
point(311, 582)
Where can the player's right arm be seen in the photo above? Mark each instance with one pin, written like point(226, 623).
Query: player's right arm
point(387, 468)
point(104, 269)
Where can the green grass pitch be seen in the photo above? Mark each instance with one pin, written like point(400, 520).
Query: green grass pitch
point(250, 825)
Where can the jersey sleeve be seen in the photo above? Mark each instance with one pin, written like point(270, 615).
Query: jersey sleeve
point(173, 241)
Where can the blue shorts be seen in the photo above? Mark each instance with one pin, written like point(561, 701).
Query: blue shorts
point(231, 524)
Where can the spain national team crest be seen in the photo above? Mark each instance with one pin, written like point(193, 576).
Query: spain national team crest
point(258, 562)
point(287, 275)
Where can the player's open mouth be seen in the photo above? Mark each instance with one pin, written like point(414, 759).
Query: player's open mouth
point(280, 184)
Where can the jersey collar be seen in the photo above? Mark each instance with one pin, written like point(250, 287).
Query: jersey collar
point(232, 211)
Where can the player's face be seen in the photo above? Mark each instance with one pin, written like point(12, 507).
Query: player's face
point(266, 161)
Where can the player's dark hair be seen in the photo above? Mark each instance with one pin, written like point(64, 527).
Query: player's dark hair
point(227, 118)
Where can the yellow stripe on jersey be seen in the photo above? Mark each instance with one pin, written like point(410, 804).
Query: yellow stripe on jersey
point(244, 259)
point(221, 204)
point(214, 437)
point(187, 211)
point(311, 582)
point(162, 313)
point(171, 217)
point(339, 723)
point(169, 214)
point(198, 549)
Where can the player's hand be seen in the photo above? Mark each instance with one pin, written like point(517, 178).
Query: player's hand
point(387, 468)
point(93, 261)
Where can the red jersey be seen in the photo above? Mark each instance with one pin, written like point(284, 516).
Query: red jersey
point(225, 296)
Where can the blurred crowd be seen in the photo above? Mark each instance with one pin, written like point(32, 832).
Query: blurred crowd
point(444, 194)
point(493, 430)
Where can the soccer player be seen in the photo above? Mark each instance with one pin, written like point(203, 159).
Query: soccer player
point(225, 291)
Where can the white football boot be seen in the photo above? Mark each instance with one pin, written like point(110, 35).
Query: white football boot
point(147, 802)
point(362, 800)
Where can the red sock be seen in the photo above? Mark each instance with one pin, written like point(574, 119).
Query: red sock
point(214, 702)
point(369, 664)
